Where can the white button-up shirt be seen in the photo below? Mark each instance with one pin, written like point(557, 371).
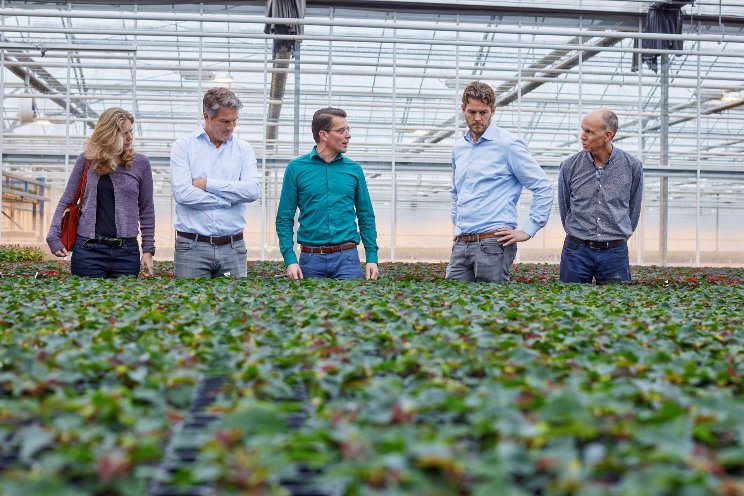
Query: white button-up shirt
point(232, 180)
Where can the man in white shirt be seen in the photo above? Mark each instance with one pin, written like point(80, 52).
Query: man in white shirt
point(213, 176)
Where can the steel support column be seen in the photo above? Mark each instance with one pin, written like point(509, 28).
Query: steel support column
point(664, 160)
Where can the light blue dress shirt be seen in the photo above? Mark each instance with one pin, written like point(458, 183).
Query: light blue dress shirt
point(232, 180)
point(487, 180)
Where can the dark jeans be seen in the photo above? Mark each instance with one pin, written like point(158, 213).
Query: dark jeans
point(340, 265)
point(579, 263)
point(486, 260)
point(92, 259)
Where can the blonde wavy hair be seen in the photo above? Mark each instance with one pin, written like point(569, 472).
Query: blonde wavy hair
point(105, 148)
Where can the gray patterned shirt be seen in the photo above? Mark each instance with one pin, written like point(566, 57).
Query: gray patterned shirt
point(604, 203)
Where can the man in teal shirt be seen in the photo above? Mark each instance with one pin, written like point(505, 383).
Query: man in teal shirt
point(331, 193)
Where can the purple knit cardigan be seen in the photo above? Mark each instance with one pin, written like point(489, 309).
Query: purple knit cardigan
point(134, 206)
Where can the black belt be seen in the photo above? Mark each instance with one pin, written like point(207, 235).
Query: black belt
point(212, 240)
point(598, 245)
point(105, 240)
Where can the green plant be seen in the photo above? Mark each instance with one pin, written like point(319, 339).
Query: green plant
point(409, 385)
point(18, 253)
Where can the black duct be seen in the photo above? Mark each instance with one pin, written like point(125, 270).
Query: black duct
point(288, 9)
point(661, 18)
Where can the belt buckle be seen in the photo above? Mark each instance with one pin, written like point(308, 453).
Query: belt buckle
point(325, 250)
point(599, 245)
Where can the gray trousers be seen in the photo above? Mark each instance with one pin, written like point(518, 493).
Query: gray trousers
point(199, 259)
point(486, 260)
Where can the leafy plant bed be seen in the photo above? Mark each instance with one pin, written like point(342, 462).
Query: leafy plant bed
point(408, 385)
point(19, 253)
point(402, 271)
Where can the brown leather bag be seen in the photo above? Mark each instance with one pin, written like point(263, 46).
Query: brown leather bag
point(71, 214)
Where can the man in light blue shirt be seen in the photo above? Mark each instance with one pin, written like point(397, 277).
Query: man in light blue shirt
point(213, 176)
point(490, 166)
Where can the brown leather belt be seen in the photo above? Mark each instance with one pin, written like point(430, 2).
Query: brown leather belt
point(471, 238)
point(598, 245)
point(212, 240)
point(327, 249)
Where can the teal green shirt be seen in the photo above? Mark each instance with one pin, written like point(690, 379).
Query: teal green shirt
point(331, 198)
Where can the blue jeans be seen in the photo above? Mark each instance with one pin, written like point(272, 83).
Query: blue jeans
point(579, 263)
point(91, 259)
point(340, 265)
point(199, 259)
point(486, 260)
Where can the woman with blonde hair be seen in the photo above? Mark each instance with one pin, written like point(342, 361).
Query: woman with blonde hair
point(116, 205)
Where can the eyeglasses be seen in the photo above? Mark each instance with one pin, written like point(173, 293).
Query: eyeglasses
point(342, 131)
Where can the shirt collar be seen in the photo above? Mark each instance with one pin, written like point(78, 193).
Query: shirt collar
point(488, 134)
point(314, 155)
point(201, 132)
point(609, 159)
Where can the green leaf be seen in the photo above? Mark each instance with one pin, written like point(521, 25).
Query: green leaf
point(33, 439)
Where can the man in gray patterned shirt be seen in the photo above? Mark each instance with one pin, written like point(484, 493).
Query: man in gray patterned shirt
point(599, 198)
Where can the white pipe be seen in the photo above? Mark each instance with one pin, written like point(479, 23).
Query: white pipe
point(569, 78)
point(380, 39)
point(697, 170)
point(359, 97)
point(393, 173)
point(264, 206)
point(613, 77)
point(67, 117)
point(350, 63)
point(2, 113)
point(135, 101)
point(367, 23)
point(66, 47)
point(330, 60)
point(641, 225)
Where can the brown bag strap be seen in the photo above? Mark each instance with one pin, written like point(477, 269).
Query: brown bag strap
point(81, 185)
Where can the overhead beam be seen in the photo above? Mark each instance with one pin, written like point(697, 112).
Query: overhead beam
point(715, 110)
point(49, 85)
point(544, 63)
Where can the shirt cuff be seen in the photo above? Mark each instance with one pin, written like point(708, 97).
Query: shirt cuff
point(290, 258)
point(531, 228)
point(370, 257)
point(213, 186)
point(55, 246)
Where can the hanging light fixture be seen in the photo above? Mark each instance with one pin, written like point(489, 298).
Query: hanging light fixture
point(223, 77)
point(38, 116)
